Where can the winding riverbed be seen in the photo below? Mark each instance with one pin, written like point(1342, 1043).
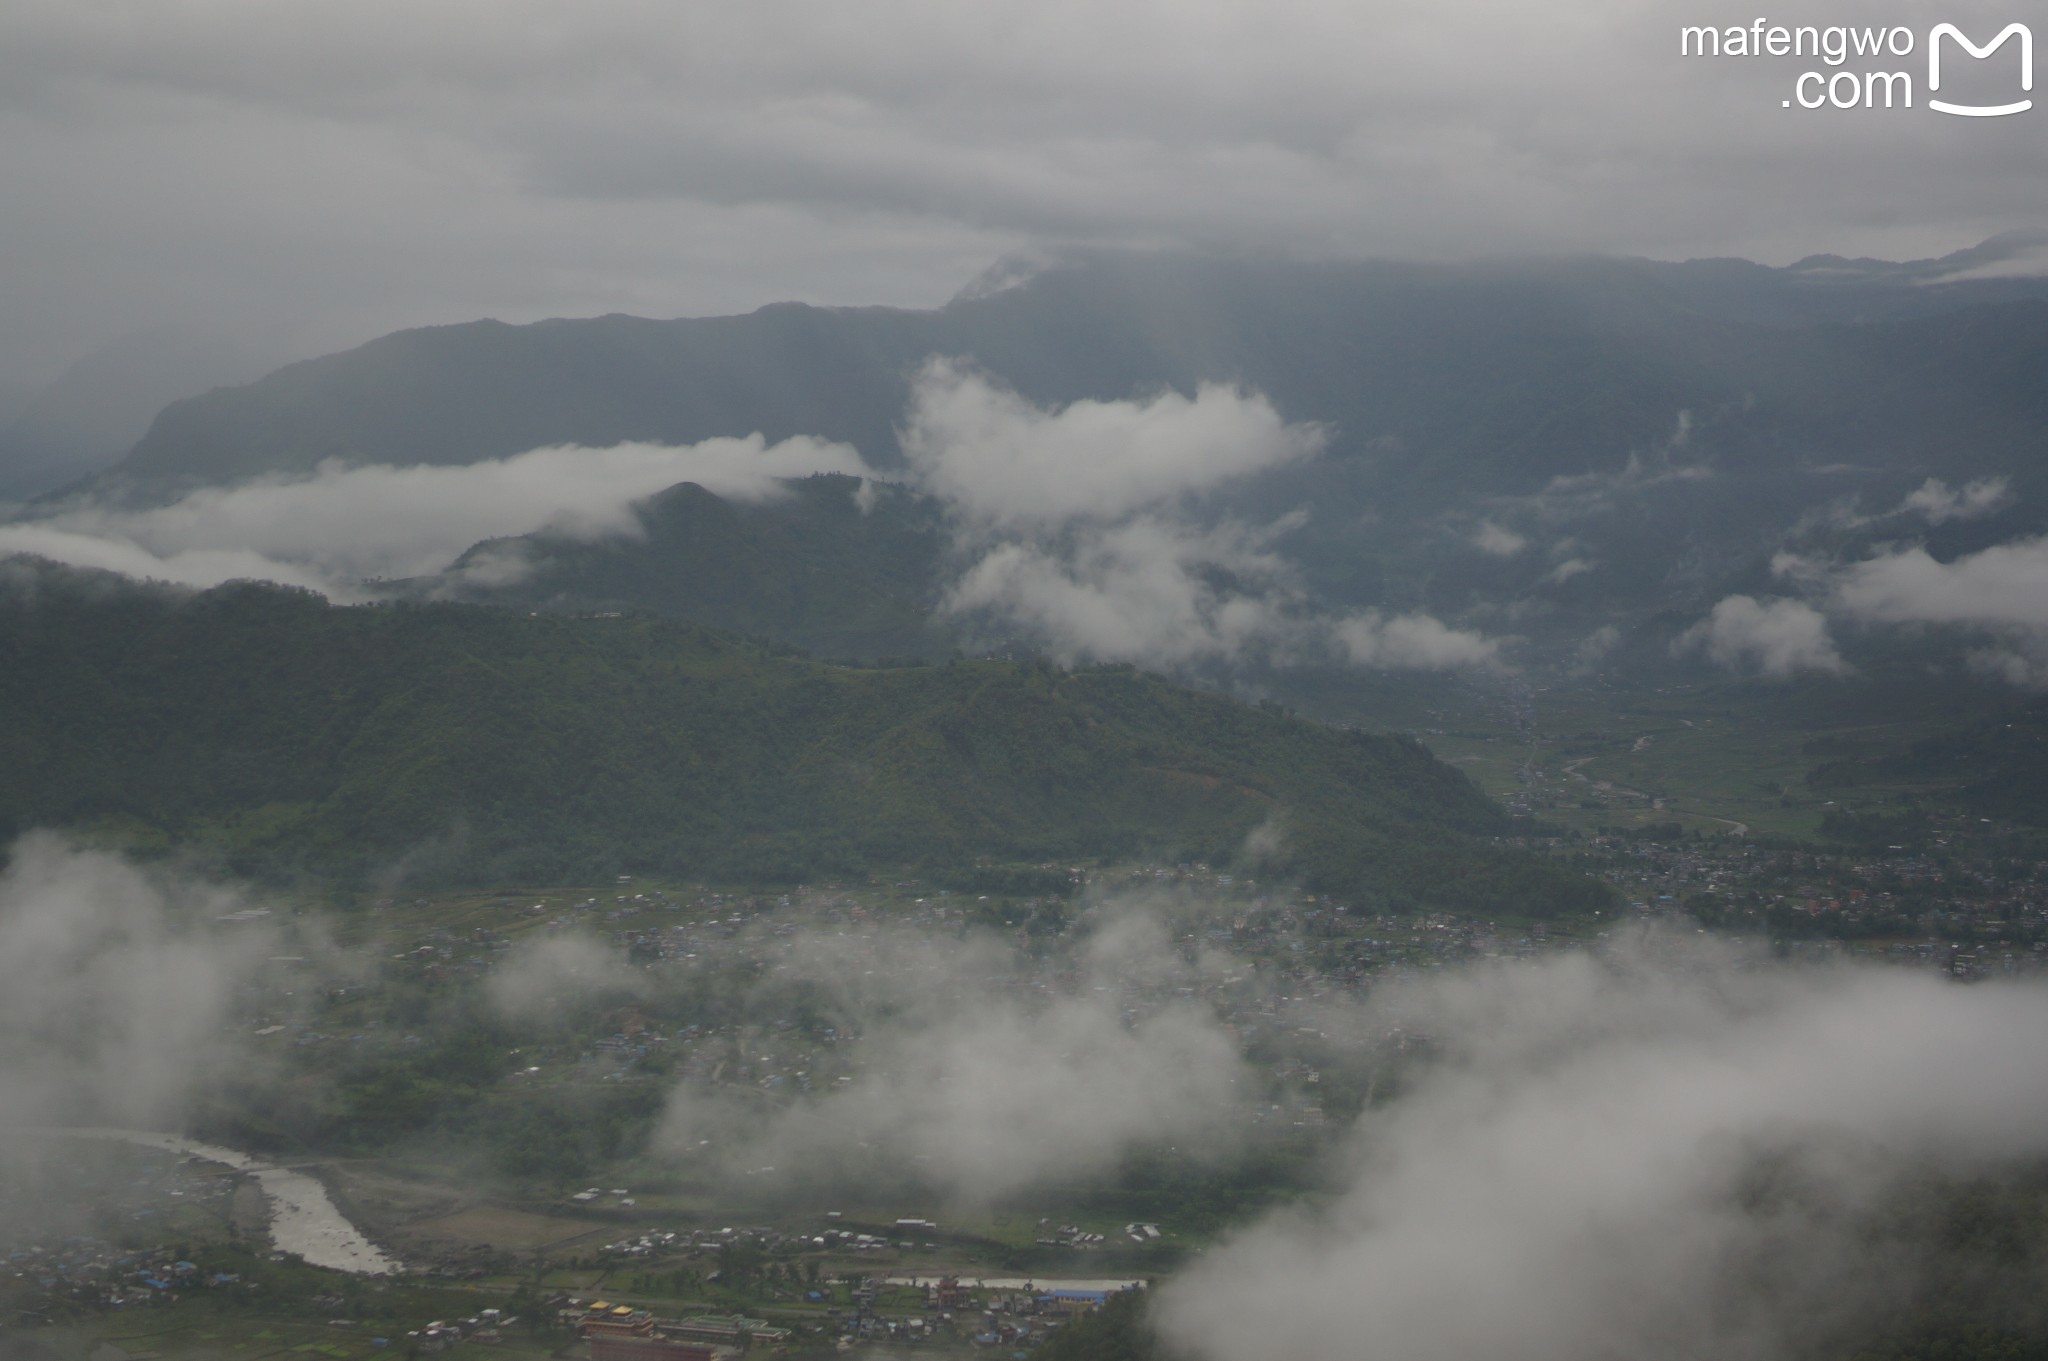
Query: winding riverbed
point(303, 1219)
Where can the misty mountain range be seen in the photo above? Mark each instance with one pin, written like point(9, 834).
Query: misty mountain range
point(91, 415)
point(1575, 459)
point(1441, 378)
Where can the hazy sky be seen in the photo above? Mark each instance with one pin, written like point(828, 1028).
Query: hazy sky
point(334, 171)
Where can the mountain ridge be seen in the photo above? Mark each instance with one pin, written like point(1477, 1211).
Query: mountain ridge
point(1645, 439)
point(284, 737)
point(1102, 329)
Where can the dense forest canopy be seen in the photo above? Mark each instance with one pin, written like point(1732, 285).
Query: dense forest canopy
point(286, 735)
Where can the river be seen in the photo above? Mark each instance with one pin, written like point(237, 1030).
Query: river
point(303, 1218)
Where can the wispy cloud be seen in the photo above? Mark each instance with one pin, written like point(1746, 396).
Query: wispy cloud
point(1497, 540)
point(1082, 529)
point(1570, 496)
point(335, 529)
point(115, 986)
point(1150, 589)
point(962, 1063)
point(1941, 503)
point(1678, 1155)
point(1411, 642)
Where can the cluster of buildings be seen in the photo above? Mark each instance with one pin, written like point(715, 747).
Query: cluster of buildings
point(1971, 915)
point(486, 1326)
point(91, 1272)
point(620, 1332)
point(1015, 1313)
point(1010, 1314)
point(691, 1242)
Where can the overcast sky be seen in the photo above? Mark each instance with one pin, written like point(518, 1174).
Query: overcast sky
point(323, 172)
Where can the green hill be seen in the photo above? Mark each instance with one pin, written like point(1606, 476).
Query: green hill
point(1994, 765)
point(281, 736)
point(813, 569)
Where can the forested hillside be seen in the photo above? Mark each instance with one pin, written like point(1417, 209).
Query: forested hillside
point(284, 735)
point(814, 568)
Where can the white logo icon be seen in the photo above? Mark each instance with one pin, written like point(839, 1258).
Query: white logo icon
point(2026, 38)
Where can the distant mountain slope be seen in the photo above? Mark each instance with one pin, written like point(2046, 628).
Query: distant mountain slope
point(92, 414)
point(1996, 766)
point(1535, 368)
point(816, 569)
point(286, 735)
point(457, 394)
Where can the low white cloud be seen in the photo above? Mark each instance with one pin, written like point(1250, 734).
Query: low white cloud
point(1149, 590)
point(1076, 530)
point(999, 459)
point(1498, 540)
point(1779, 637)
point(106, 550)
point(554, 971)
point(490, 566)
point(1001, 1097)
point(115, 987)
point(1594, 648)
point(1411, 642)
point(963, 1081)
point(2024, 667)
point(2001, 591)
point(2005, 586)
point(1940, 503)
point(1264, 842)
point(2026, 261)
point(341, 525)
point(1698, 1158)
